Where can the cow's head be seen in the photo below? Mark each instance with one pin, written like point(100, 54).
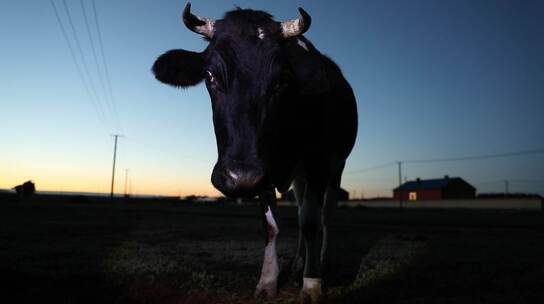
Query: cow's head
point(248, 77)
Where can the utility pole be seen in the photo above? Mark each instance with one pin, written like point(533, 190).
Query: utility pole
point(116, 136)
point(400, 184)
point(126, 179)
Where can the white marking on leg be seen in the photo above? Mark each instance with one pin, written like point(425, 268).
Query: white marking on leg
point(311, 290)
point(271, 223)
point(302, 44)
point(270, 270)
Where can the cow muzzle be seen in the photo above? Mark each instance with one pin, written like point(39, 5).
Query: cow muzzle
point(238, 179)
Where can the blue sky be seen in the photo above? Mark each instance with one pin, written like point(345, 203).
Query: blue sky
point(433, 79)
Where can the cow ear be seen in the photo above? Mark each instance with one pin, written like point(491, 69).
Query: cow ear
point(179, 68)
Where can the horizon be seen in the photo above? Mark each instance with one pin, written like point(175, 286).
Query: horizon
point(351, 195)
point(451, 88)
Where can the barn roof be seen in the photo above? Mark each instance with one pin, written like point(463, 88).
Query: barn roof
point(437, 183)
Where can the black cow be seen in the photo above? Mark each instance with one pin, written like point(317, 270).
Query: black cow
point(283, 115)
point(25, 190)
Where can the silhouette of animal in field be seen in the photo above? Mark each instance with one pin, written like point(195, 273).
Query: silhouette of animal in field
point(26, 189)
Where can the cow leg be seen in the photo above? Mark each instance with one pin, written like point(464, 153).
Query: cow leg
point(310, 222)
point(270, 270)
point(297, 266)
point(331, 202)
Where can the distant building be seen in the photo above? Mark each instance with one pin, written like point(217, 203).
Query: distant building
point(434, 189)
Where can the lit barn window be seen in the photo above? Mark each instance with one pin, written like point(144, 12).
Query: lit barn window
point(412, 196)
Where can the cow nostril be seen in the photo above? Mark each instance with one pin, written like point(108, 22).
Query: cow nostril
point(244, 179)
point(239, 179)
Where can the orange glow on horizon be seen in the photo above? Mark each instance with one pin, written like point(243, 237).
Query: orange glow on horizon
point(72, 180)
point(78, 186)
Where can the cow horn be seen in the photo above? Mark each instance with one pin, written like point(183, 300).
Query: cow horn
point(198, 24)
point(298, 26)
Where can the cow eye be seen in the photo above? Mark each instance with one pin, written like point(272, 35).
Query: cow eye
point(210, 77)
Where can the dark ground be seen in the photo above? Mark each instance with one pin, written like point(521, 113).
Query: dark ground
point(89, 250)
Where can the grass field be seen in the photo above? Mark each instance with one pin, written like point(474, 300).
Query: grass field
point(89, 250)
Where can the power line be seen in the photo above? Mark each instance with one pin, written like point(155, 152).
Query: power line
point(487, 156)
point(167, 151)
point(451, 159)
point(105, 65)
point(512, 181)
point(372, 168)
point(82, 55)
point(496, 182)
point(528, 181)
point(91, 40)
point(76, 63)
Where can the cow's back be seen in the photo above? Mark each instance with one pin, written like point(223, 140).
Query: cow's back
point(326, 106)
point(320, 119)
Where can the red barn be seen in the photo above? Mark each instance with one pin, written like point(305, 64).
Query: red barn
point(434, 189)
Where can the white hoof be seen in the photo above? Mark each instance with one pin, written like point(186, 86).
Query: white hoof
point(268, 289)
point(311, 291)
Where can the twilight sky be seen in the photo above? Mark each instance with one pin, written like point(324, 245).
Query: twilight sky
point(433, 79)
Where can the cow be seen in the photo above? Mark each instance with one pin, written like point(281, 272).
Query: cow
point(284, 116)
point(25, 189)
